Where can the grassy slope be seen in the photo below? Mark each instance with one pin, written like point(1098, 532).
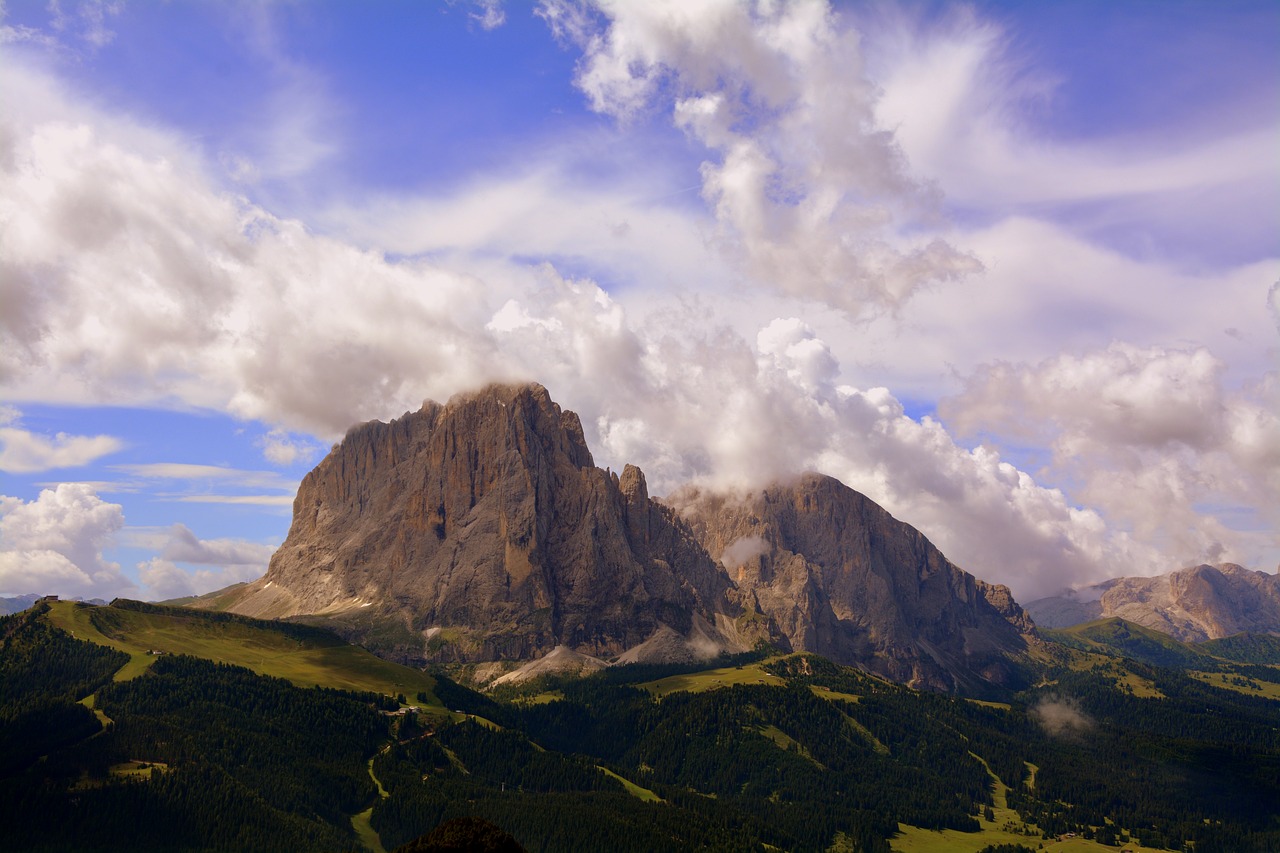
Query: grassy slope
point(256, 646)
point(1245, 648)
point(698, 682)
point(1126, 639)
point(642, 794)
point(1226, 681)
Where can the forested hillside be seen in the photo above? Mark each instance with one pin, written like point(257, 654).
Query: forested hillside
point(764, 751)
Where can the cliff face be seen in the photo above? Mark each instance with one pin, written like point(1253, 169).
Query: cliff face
point(1193, 604)
point(485, 525)
point(483, 531)
point(841, 577)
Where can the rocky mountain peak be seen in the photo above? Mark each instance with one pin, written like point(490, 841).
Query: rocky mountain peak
point(483, 530)
point(1193, 604)
point(844, 578)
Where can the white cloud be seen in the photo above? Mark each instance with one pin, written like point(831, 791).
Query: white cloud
point(215, 473)
point(218, 304)
point(199, 479)
point(489, 15)
point(238, 500)
point(54, 543)
point(23, 452)
point(1047, 291)
point(281, 448)
point(128, 276)
point(1150, 437)
point(183, 546)
point(184, 564)
point(970, 111)
point(741, 550)
point(164, 580)
point(218, 562)
point(806, 189)
point(84, 19)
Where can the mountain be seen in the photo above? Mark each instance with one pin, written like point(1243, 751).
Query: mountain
point(783, 752)
point(141, 727)
point(17, 603)
point(485, 527)
point(1194, 604)
point(482, 530)
point(843, 578)
point(1115, 636)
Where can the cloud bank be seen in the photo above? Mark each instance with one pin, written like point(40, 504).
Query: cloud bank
point(131, 275)
point(55, 545)
point(1149, 435)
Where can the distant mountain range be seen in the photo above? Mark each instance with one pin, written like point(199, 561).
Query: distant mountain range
point(481, 530)
point(16, 603)
point(19, 603)
point(1193, 604)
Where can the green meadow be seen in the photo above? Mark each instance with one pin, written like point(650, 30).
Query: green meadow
point(711, 679)
point(313, 659)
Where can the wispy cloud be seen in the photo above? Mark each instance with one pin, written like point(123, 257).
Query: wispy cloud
point(489, 14)
point(202, 481)
point(187, 471)
point(24, 452)
point(248, 500)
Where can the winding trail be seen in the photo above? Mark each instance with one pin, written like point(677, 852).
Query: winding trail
point(361, 822)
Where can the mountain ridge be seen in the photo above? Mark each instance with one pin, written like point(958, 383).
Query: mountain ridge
point(1192, 604)
point(484, 528)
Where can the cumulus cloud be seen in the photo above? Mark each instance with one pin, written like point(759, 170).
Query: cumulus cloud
point(128, 276)
point(216, 303)
point(217, 562)
point(805, 186)
point(1150, 437)
point(284, 449)
point(23, 452)
point(54, 544)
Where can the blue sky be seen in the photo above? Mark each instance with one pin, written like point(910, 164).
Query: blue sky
point(1008, 268)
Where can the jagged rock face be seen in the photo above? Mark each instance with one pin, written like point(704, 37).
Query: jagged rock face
point(481, 530)
point(485, 524)
point(1194, 604)
point(841, 577)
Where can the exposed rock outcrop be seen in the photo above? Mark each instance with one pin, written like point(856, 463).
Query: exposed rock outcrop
point(482, 530)
point(1193, 604)
point(843, 578)
point(484, 525)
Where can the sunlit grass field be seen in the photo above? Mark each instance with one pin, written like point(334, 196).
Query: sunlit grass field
point(710, 679)
point(305, 662)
